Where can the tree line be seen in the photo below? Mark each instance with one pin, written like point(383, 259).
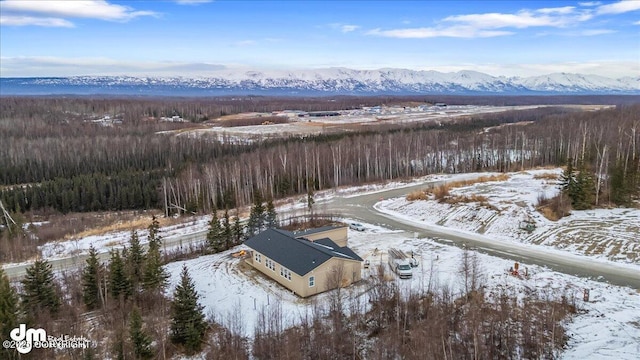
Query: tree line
point(179, 174)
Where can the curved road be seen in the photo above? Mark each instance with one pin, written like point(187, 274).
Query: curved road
point(362, 207)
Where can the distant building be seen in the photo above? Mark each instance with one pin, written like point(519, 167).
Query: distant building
point(308, 262)
point(323, 113)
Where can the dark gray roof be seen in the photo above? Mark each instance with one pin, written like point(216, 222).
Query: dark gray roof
point(342, 250)
point(315, 230)
point(297, 255)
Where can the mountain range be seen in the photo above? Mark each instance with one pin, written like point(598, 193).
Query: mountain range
point(332, 81)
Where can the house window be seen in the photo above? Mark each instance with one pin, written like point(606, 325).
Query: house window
point(270, 264)
point(285, 273)
point(258, 258)
point(312, 281)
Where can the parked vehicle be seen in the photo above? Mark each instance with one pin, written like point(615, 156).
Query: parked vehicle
point(399, 263)
point(356, 226)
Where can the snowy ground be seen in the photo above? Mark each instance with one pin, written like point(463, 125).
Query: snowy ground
point(607, 328)
point(611, 234)
point(116, 240)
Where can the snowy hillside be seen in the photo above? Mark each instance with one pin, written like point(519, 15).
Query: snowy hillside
point(326, 81)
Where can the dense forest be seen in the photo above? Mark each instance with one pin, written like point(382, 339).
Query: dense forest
point(53, 158)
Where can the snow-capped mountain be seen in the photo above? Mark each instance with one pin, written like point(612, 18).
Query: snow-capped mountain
point(325, 81)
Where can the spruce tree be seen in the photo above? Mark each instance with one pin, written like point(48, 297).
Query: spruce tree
point(154, 232)
point(272, 216)
point(39, 289)
point(140, 340)
point(188, 325)
point(155, 277)
point(135, 261)
point(238, 230)
point(119, 283)
point(9, 313)
point(214, 235)
point(91, 281)
point(256, 217)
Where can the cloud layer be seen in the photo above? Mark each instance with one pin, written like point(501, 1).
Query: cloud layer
point(502, 24)
point(57, 13)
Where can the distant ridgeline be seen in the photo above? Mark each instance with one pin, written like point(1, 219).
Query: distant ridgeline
point(319, 82)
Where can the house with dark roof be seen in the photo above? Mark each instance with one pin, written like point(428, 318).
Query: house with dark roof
point(302, 265)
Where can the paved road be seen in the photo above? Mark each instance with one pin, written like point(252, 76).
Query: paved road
point(362, 207)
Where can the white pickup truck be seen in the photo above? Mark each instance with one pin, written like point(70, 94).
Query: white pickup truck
point(400, 264)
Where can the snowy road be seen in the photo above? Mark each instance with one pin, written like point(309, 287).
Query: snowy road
point(363, 207)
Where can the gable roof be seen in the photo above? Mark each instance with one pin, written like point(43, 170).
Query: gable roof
point(297, 254)
point(304, 233)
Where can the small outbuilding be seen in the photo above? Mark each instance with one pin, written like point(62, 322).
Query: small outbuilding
point(302, 265)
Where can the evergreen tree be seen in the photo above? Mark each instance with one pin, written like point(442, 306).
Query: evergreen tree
point(227, 232)
point(135, 261)
point(119, 283)
point(584, 196)
point(238, 230)
point(256, 217)
point(140, 340)
point(188, 325)
point(155, 277)
point(39, 289)
point(91, 281)
point(214, 235)
point(272, 216)
point(154, 232)
point(9, 312)
point(568, 179)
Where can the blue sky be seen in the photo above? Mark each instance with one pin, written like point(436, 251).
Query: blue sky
point(511, 38)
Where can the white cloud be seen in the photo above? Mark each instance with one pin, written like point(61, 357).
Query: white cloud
point(92, 9)
point(345, 28)
point(349, 28)
point(589, 3)
point(595, 32)
point(18, 20)
point(498, 24)
point(426, 32)
point(619, 7)
point(551, 17)
point(637, 22)
point(558, 10)
point(27, 66)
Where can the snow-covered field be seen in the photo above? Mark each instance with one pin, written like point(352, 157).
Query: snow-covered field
point(608, 327)
point(611, 234)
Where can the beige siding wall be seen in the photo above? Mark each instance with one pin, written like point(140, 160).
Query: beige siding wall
point(339, 236)
point(324, 275)
point(327, 276)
